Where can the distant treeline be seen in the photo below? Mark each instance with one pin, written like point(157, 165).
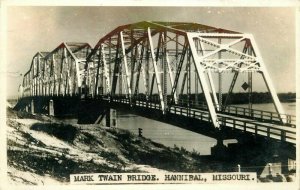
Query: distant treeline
point(235, 98)
point(260, 97)
point(243, 98)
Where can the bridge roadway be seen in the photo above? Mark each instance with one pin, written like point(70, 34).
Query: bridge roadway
point(274, 130)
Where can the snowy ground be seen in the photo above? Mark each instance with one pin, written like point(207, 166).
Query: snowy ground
point(42, 151)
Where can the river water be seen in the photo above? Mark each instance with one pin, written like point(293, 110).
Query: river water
point(170, 135)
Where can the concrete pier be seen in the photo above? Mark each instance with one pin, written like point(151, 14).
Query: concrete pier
point(32, 109)
point(51, 108)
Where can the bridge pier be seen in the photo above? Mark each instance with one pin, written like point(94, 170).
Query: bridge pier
point(250, 152)
point(287, 159)
point(219, 151)
point(111, 118)
point(51, 108)
point(26, 108)
point(32, 107)
point(93, 112)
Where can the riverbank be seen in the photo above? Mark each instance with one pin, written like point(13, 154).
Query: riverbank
point(44, 150)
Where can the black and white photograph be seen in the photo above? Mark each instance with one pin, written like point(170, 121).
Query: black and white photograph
point(154, 96)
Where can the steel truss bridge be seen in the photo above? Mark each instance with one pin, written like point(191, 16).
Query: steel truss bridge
point(172, 69)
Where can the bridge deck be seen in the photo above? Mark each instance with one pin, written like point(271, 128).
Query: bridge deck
point(269, 130)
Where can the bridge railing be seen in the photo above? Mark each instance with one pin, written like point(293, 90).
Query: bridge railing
point(202, 115)
point(270, 131)
point(141, 103)
point(260, 114)
point(283, 133)
point(245, 112)
point(287, 134)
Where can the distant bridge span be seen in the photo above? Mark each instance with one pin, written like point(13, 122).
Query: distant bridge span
point(172, 68)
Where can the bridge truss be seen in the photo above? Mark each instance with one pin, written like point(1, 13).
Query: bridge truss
point(56, 73)
point(171, 57)
point(163, 62)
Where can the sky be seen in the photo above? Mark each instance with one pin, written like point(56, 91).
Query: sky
point(33, 29)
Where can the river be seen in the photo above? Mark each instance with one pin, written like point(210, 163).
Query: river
point(170, 135)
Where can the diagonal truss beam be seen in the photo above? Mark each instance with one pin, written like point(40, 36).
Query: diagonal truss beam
point(268, 80)
point(128, 89)
point(184, 50)
point(158, 83)
point(201, 75)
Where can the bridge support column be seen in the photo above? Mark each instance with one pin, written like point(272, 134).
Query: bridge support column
point(107, 118)
point(284, 164)
point(51, 108)
point(111, 118)
point(285, 156)
point(219, 151)
point(32, 106)
point(26, 108)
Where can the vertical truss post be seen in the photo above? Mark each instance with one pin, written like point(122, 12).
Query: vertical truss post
point(144, 72)
point(109, 66)
point(133, 63)
point(74, 78)
point(126, 67)
point(139, 68)
point(164, 65)
point(220, 90)
point(132, 60)
point(54, 76)
point(120, 78)
point(159, 89)
point(98, 70)
point(176, 45)
point(77, 74)
point(69, 77)
point(66, 91)
point(99, 78)
point(220, 78)
point(250, 89)
point(63, 67)
point(106, 69)
point(36, 75)
point(88, 83)
point(147, 71)
point(67, 86)
point(196, 88)
point(116, 69)
point(268, 80)
point(189, 81)
point(61, 71)
point(200, 72)
point(250, 84)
